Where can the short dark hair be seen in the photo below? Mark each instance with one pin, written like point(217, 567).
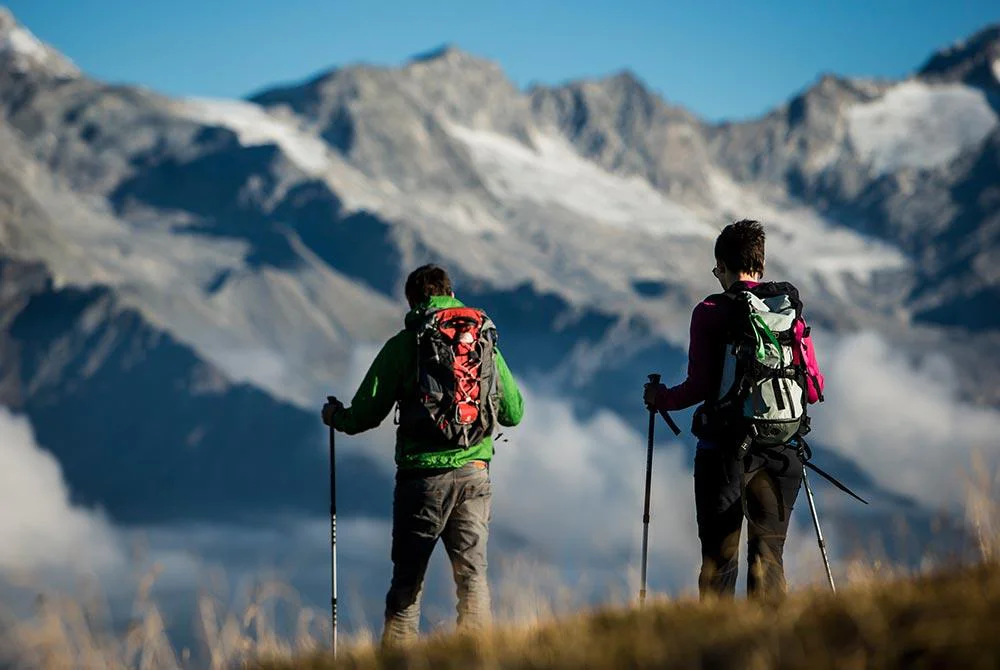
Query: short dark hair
point(425, 282)
point(740, 246)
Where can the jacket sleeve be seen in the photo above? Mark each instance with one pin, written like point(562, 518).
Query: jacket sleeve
point(511, 403)
point(697, 387)
point(378, 391)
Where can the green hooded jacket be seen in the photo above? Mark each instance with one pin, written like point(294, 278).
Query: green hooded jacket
point(393, 375)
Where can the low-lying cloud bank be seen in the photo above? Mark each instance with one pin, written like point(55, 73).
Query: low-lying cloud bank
point(568, 495)
point(900, 418)
point(39, 527)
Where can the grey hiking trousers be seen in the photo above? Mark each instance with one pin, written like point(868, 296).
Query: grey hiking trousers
point(453, 505)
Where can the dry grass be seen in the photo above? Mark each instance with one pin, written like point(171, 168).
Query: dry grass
point(948, 620)
point(886, 617)
point(882, 617)
point(982, 508)
point(76, 632)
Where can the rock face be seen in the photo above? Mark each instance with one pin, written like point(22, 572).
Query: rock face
point(975, 61)
point(623, 126)
point(184, 280)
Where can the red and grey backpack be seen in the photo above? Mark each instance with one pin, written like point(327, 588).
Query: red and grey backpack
point(455, 403)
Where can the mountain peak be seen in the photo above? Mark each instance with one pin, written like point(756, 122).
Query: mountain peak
point(449, 65)
point(21, 51)
point(974, 61)
point(451, 56)
point(446, 51)
point(628, 77)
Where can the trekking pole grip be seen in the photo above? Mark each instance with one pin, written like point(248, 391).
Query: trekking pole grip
point(655, 379)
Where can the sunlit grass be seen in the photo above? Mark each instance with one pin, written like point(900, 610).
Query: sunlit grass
point(884, 616)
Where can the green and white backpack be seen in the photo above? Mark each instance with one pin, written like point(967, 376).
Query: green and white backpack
point(763, 388)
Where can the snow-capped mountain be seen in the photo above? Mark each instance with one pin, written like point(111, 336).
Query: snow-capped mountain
point(22, 51)
point(195, 275)
point(910, 162)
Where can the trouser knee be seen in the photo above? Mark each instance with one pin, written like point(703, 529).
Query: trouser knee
point(401, 598)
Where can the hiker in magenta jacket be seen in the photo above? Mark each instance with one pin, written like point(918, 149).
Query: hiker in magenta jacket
point(772, 479)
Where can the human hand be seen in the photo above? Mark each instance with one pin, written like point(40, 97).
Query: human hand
point(331, 407)
point(650, 392)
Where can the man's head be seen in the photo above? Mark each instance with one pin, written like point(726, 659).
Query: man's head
point(426, 282)
point(739, 253)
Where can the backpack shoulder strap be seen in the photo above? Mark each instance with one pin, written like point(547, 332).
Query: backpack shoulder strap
point(421, 322)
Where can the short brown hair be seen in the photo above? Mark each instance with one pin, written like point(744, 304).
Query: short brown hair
point(740, 246)
point(425, 282)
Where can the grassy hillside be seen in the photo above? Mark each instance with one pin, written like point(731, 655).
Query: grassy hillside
point(882, 617)
point(950, 619)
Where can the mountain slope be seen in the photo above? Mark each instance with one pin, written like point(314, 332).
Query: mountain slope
point(624, 127)
point(262, 244)
point(538, 185)
point(142, 426)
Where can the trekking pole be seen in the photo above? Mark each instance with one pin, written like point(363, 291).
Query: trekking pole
point(333, 538)
point(653, 379)
point(819, 533)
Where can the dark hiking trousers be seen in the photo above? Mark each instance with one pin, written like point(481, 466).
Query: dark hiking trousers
point(453, 505)
point(770, 480)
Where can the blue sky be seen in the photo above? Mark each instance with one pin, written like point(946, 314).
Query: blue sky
point(722, 59)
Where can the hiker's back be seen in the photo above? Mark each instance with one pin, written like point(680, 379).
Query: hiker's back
point(448, 408)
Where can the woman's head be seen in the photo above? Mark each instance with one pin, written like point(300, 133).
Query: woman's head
point(739, 252)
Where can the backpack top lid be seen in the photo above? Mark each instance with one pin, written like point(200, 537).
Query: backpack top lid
point(443, 308)
point(772, 305)
point(772, 294)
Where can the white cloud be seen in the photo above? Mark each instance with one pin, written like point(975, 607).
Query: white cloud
point(575, 490)
point(900, 418)
point(39, 527)
point(263, 367)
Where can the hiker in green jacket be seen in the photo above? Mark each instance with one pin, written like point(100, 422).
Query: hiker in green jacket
point(452, 387)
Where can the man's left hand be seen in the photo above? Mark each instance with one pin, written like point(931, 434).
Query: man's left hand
point(650, 393)
point(331, 407)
